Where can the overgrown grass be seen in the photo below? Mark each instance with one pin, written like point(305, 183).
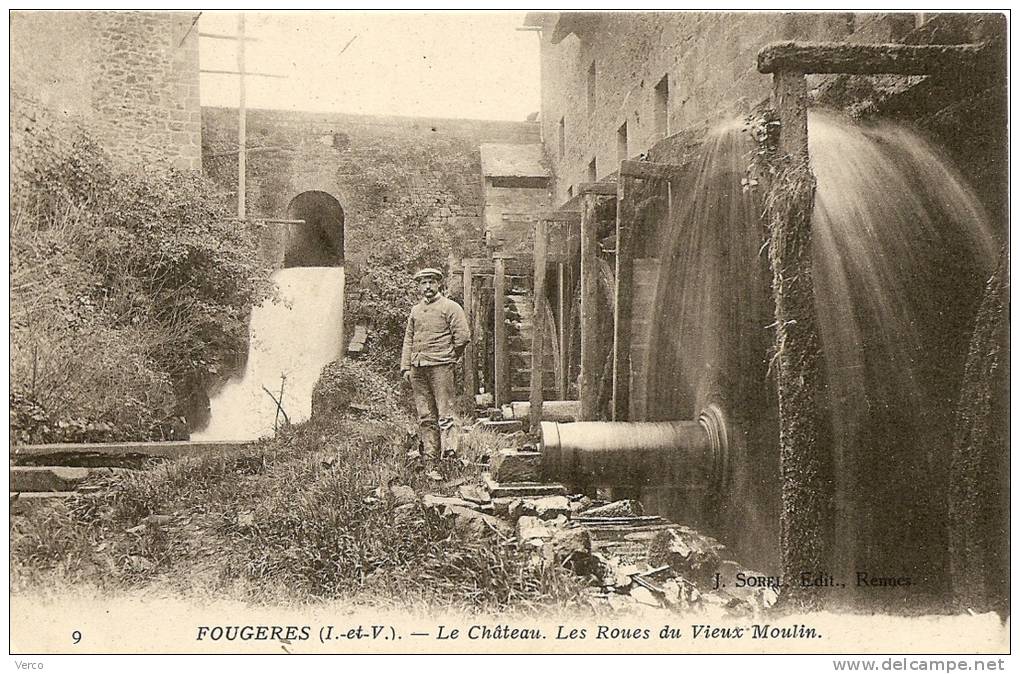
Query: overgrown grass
point(294, 519)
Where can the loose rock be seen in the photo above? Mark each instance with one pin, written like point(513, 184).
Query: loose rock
point(544, 508)
point(530, 528)
point(690, 554)
point(624, 508)
point(403, 495)
point(472, 523)
point(474, 493)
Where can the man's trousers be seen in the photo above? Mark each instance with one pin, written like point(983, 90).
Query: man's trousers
point(434, 395)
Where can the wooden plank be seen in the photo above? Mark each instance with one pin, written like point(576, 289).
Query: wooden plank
point(590, 364)
point(501, 425)
point(626, 221)
point(647, 170)
point(501, 489)
point(618, 521)
point(470, 374)
point(500, 365)
point(95, 454)
point(538, 327)
point(876, 59)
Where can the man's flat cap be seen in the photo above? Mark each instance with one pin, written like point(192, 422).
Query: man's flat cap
point(427, 272)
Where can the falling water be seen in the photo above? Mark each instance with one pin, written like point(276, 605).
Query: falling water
point(901, 248)
point(290, 340)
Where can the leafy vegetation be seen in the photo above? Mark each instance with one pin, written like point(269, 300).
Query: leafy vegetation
point(306, 516)
point(130, 289)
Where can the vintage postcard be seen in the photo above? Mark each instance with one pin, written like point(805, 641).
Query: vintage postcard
point(510, 332)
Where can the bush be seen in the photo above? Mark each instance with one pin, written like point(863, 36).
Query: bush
point(130, 290)
point(350, 387)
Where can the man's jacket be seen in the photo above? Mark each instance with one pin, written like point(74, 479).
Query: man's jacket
point(436, 333)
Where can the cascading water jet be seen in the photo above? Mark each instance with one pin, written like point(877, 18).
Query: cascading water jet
point(901, 249)
point(290, 340)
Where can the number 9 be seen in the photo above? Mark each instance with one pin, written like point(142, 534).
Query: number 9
point(76, 635)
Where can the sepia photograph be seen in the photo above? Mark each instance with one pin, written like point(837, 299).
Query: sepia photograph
point(506, 332)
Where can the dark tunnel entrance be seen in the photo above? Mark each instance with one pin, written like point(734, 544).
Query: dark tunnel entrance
point(320, 241)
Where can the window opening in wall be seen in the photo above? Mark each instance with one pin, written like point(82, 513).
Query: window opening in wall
point(591, 88)
point(592, 170)
point(621, 143)
point(563, 137)
point(662, 107)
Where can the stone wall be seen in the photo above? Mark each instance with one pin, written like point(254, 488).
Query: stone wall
point(129, 78)
point(708, 57)
point(377, 167)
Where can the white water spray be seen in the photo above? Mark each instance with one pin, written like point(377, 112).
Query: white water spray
point(289, 343)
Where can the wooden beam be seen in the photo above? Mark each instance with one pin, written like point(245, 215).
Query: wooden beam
point(647, 170)
point(875, 59)
point(590, 318)
point(789, 100)
point(805, 451)
point(470, 383)
point(500, 368)
point(480, 335)
point(538, 328)
point(99, 453)
point(626, 220)
point(607, 189)
point(562, 295)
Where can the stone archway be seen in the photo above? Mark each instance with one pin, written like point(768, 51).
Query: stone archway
point(320, 241)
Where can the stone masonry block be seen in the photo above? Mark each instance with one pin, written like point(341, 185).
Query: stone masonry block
point(511, 465)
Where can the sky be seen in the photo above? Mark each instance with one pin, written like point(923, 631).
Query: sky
point(419, 64)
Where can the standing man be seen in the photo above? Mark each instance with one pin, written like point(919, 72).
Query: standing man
point(436, 335)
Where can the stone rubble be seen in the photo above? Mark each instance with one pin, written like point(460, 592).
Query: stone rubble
point(632, 560)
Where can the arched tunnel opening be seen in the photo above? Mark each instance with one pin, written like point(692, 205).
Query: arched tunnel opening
point(319, 242)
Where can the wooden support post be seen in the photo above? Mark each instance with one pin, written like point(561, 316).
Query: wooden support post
point(500, 365)
point(626, 215)
point(563, 330)
point(470, 384)
point(538, 328)
point(590, 318)
point(480, 333)
point(242, 120)
point(805, 451)
point(789, 100)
